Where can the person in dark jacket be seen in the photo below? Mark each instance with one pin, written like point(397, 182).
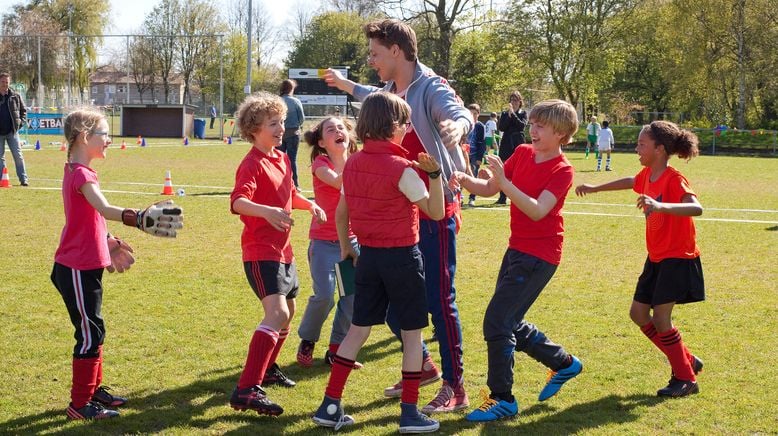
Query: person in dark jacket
point(13, 115)
point(512, 123)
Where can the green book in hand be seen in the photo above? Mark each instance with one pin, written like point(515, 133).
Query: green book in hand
point(345, 275)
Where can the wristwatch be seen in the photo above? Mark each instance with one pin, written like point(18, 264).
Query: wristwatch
point(435, 174)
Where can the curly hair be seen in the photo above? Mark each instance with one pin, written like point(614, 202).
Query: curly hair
point(255, 109)
point(675, 140)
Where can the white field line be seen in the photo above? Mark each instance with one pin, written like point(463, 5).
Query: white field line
point(500, 209)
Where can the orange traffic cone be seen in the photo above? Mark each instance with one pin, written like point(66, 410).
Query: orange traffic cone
point(5, 183)
point(225, 139)
point(124, 145)
point(168, 188)
point(62, 146)
point(139, 140)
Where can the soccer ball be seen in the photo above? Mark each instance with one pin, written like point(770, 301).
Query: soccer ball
point(181, 192)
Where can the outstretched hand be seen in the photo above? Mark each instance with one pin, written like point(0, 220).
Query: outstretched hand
point(426, 163)
point(582, 190)
point(121, 255)
point(160, 219)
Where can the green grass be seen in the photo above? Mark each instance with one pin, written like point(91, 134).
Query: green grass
point(179, 323)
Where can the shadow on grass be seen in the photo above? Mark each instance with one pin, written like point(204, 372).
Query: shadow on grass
point(772, 229)
point(192, 406)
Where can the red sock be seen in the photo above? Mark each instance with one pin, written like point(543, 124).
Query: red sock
point(341, 368)
point(262, 344)
point(334, 349)
point(99, 366)
point(410, 383)
point(282, 334)
point(84, 380)
point(650, 331)
point(674, 349)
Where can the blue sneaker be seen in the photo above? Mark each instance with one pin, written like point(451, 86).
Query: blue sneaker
point(411, 421)
point(492, 410)
point(557, 378)
point(331, 414)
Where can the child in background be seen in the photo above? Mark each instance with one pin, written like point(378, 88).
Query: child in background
point(536, 178)
point(672, 273)
point(380, 199)
point(477, 145)
point(332, 141)
point(264, 196)
point(605, 144)
point(85, 248)
point(490, 130)
point(592, 132)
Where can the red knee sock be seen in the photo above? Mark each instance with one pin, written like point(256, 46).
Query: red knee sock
point(410, 383)
point(99, 380)
point(334, 348)
point(282, 334)
point(84, 380)
point(650, 331)
point(341, 368)
point(676, 353)
point(261, 347)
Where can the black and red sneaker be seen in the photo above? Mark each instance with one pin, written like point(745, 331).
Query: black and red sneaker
point(91, 410)
point(254, 398)
point(274, 376)
point(678, 388)
point(105, 398)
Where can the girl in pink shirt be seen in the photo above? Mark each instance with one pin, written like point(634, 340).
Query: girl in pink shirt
point(86, 248)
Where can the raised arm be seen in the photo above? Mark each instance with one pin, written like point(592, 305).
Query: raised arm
point(615, 185)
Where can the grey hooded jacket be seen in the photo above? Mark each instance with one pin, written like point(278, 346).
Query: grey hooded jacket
point(432, 101)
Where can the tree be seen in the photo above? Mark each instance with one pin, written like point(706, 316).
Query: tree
point(332, 38)
point(573, 40)
point(162, 23)
point(80, 18)
point(196, 18)
point(142, 64)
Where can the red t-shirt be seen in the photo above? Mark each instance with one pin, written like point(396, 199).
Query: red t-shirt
point(543, 238)
point(667, 236)
point(265, 180)
point(327, 198)
point(83, 244)
point(412, 143)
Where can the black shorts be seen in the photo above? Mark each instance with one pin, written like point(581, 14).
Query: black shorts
point(390, 275)
point(671, 280)
point(267, 277)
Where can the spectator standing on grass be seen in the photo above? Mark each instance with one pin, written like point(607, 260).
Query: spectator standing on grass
point(13, 115)
point(490, 131)
point(438, 123)
point(213, 114)
point(672, 273)
point(536, 178)
point(605, 144)
point(295, 117)
point(477, 142)
point(592, 132)
point(512, 123)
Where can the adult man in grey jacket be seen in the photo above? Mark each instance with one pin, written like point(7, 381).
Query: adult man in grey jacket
point(13, 115)
point(438, 121)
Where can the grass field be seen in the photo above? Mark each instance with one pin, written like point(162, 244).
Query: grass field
point(179, 323)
